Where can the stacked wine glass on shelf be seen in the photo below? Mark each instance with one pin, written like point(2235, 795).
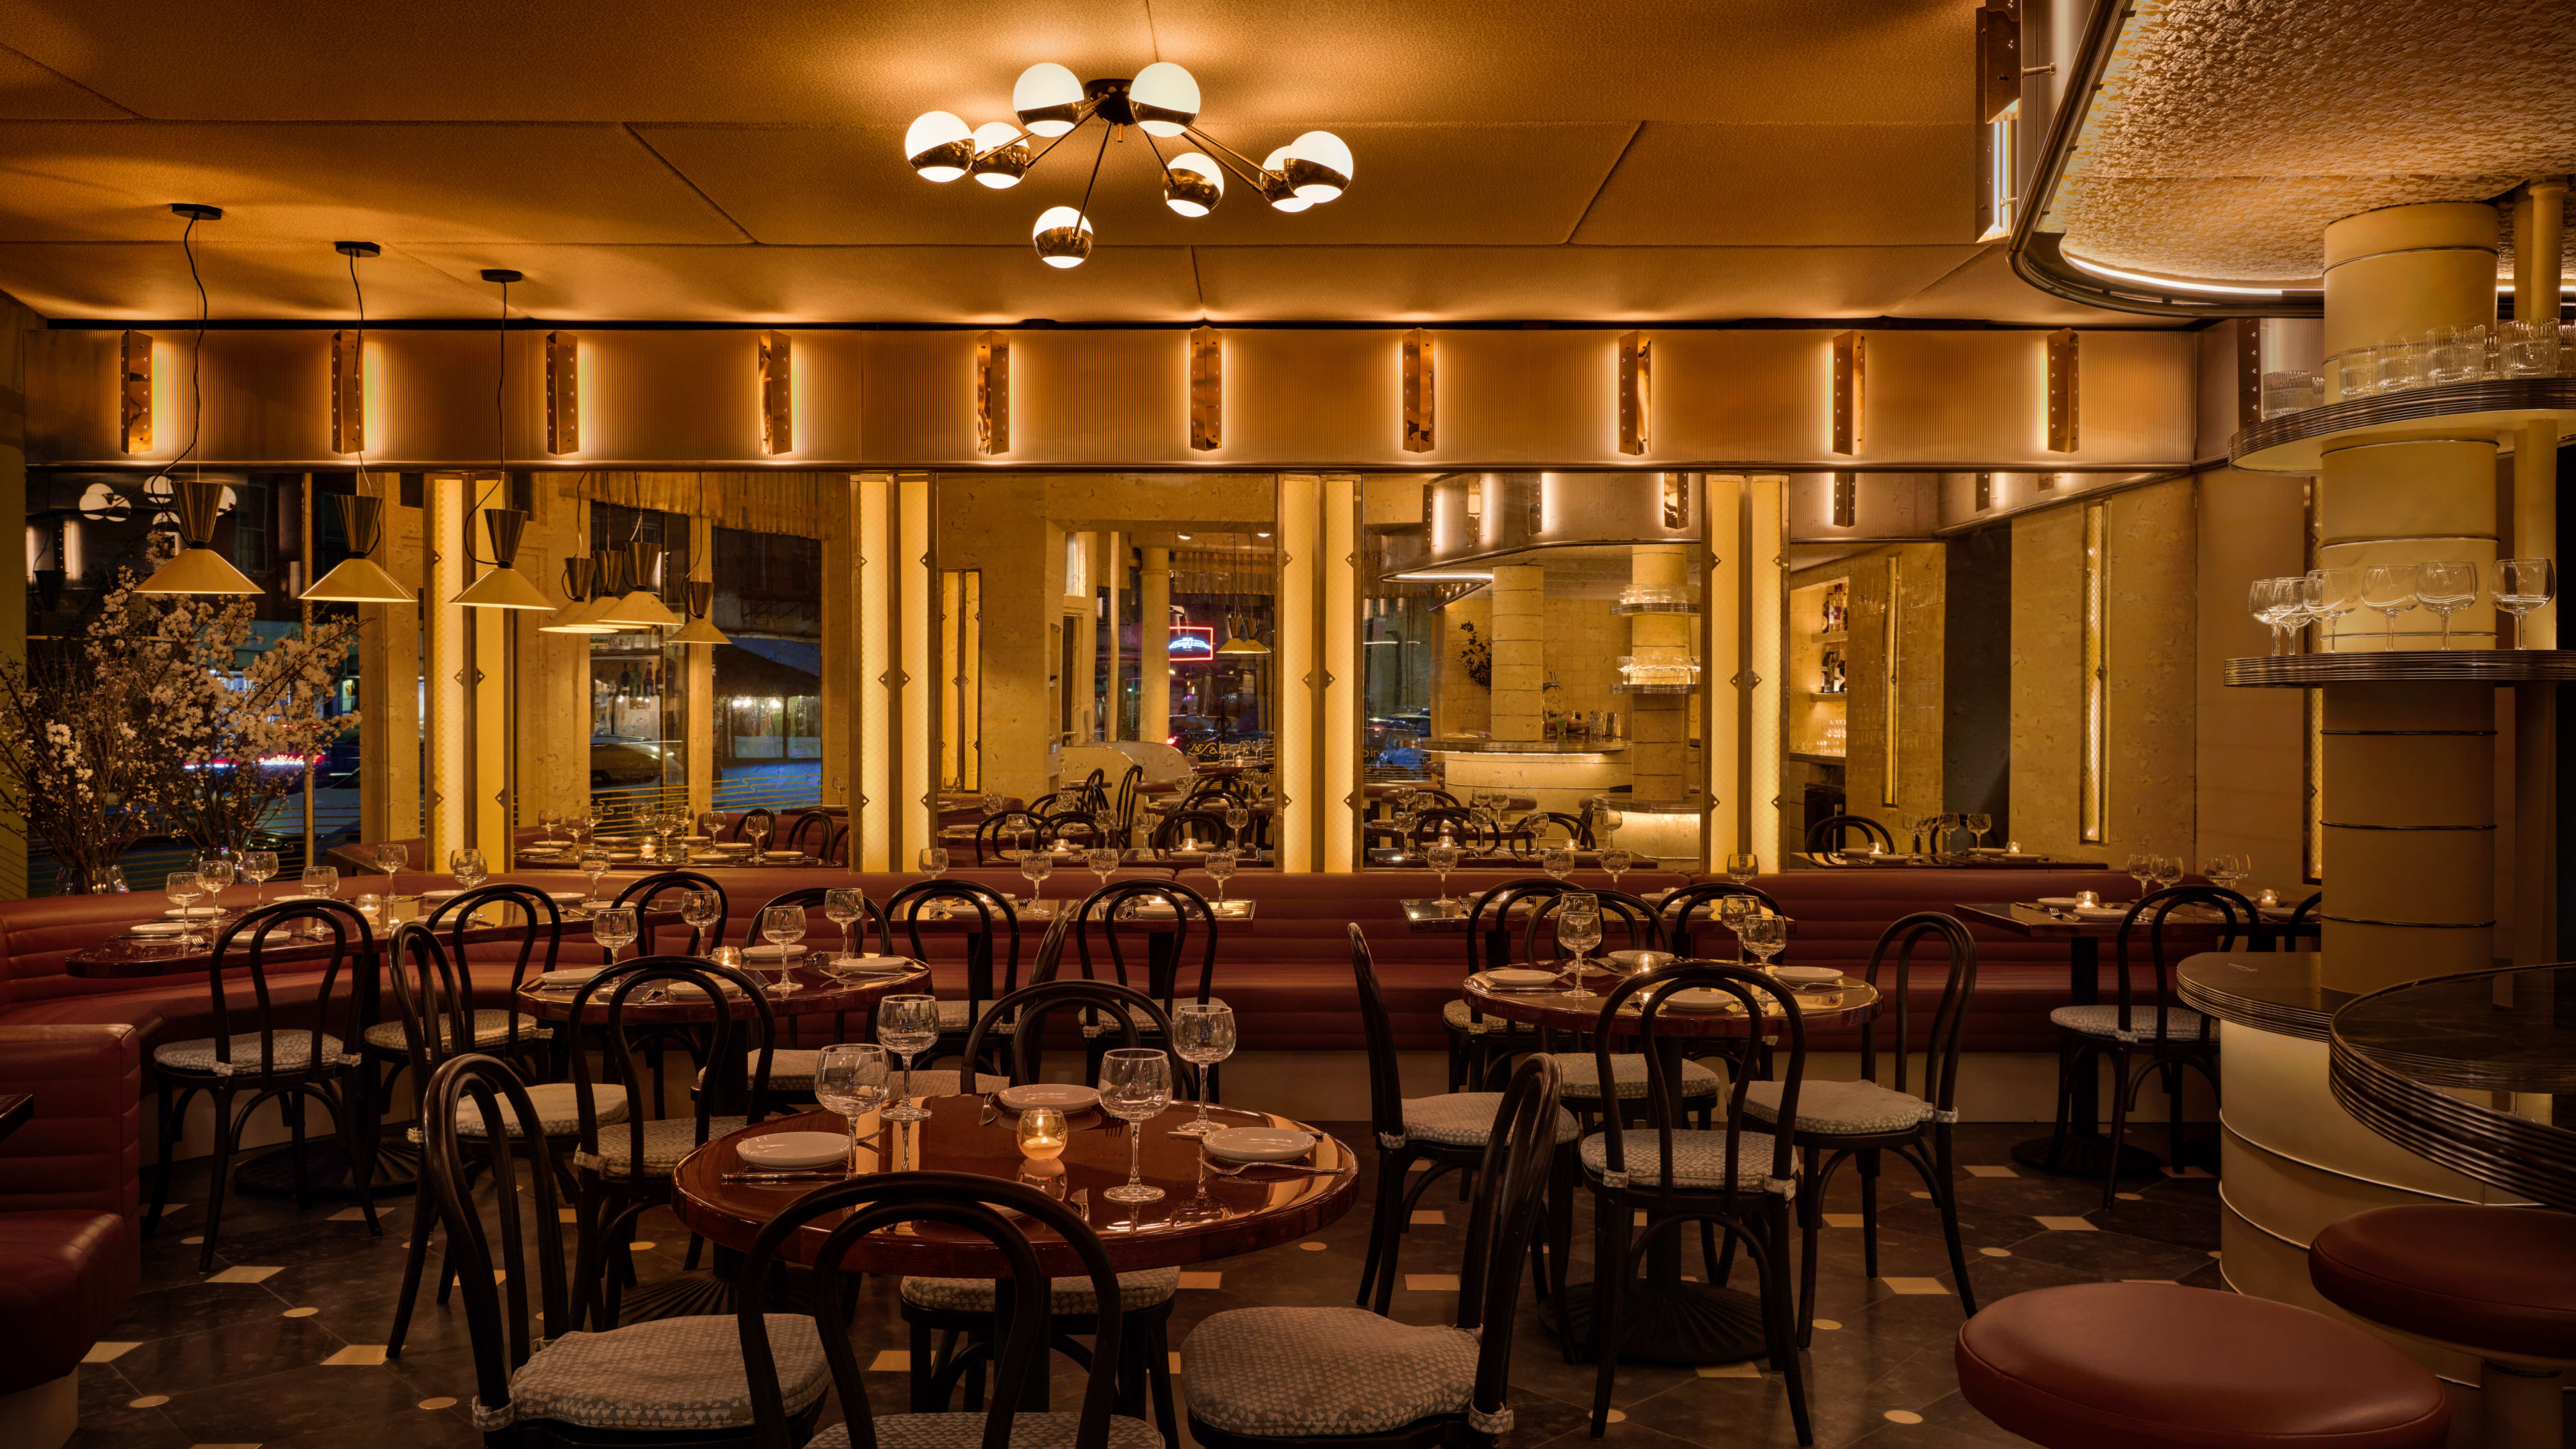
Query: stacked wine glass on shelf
point(2437, 358)
point(2445, 587)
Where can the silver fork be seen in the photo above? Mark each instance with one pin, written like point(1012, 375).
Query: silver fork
point(1219, 1169)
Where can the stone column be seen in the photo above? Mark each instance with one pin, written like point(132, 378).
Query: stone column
point(1658, 724)
point(1154, 647)
point(1520, 651)
point(2409, 769)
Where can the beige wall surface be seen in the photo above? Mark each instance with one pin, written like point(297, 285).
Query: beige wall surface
point(2251, 743)
point(1920, 583)
point(2151, 690)
point(1459, 705)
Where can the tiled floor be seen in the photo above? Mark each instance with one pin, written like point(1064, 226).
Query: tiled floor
point(283, 1345)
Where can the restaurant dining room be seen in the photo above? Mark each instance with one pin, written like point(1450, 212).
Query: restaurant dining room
point(1708, 726)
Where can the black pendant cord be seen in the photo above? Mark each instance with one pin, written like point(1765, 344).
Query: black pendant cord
point(361, 293)
point(196, 370)
point(500, 425)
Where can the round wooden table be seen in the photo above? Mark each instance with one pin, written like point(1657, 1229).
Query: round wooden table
point(1668, 1320)
point(1200, 1216)
point(816, 994)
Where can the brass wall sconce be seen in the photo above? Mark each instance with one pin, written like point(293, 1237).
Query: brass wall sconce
point(134, 392)
point(777, 394)
point(1846, 500)
point(992, 394)
point(1419, 392)
point(2064, 379)
point(563, 392)
point(349, 362)
point(1207, 390)
point(1636, 393)
point(1851, 392)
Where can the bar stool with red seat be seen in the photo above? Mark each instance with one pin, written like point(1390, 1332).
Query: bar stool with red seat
point(2497, 1283)
point(2134, 1365)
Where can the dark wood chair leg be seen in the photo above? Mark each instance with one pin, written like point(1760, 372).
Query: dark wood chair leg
point(222, 1170)
point(2124, 1088)
point(361, 1150)
point(1609, 1273)
point(415, 1261)
point(1158, 1378)
point(1945, 1191)
point(1811, 1222)
point(291, 1102)
point(1868, 1159)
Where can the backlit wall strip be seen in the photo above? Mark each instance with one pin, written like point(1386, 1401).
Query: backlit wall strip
point(1890, 644)
point(2092, 791)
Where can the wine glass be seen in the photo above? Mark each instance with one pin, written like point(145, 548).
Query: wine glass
point(1732, 913)
point(907, 1026)
point(1578, 924)
point(550, 820)
point(2168, 871)
point(993, 802)
point(1765, 937)
point(215, 872)
point(466, 864)
point(850, 1079)
point(1103, 862)
point(1219, 865)
point(2263, 601)
point(594, 864)
point(1035, 867)
point(612, 927)
point(1618, 863)
point(934, 861)
point(2226, 870)
point(1557, 861)
point(758, 828)
point(2140, 867)
point(782, 927)
point(1444, 859)
point(392, 859)
point(321, 880)
point(843, 906)
point(1202, 1035)
point(2446, 586)
point(1135, 1087)
point(259, 867)
point(2390, 589)
point(701, 911)
point(2523, 585)
point(1978, 825)
point(1606, 823)
point(2327, 595)
point(1742, 867)
point(185, 890)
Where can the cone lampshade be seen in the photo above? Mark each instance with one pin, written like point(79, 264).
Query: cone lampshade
point(504, 587)
point(577, 616)
point(198, 569)
point(641, 607)
point(358, 579)
point(702, 598)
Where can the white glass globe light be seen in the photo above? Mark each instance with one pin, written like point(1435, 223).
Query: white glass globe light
point(1063, 236)
point(939, 146)
point(1164, 97)
point(1283, 196)
point(1001, 155)
point(1195, 186)
point(1319, 165)
point(1047, 98)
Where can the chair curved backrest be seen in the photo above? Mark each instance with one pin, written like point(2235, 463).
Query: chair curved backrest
point(1645, 928)
point(1029, 1006)
point(620, 986)
point(758, 822)
point(1532, 833)
point(348, 947)
point(1102, 912)
point(811, 899)
point(1456, 824)
point(1752, 991)
point(1208, 787)
point(1509, 1191)
point(904, 909)
point(1123, 809)
point(502, 1341)
point(815, 823)
point(1181, 826)
point(643, 893)
point(1828, 836)
point(1386, 1082)
point(1489, 919)
point(544, 920)
point(965, 1202)
point(1075, 823)
point(2240, 917)
point(1941, 1045)
point(1701, 901)
point(434, 994)
point(1001, 830)
point(2304, 922)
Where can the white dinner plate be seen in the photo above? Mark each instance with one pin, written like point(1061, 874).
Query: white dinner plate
point(1809, 975)
point(2100, 913)
point(564, 980)
point(784, 1151)
point(693, 839)
point(770, 953)
point(1699, 998)
point(157, 928)
point(872, 964)
point(564, 898)
point(1517, 978)
point(193, 913)
point(2057, 900)
point(1063, 1096)
point(1642, 960)
point(782, 855)
point(1257, 1144)
point(615, 855)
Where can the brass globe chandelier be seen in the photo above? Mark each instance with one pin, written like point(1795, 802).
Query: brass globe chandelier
point(1162, 101)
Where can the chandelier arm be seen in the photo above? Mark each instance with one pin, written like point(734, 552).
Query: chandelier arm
point(1097, 157)
point(1158, 154)
point(1243, 165)
point(1042, 155)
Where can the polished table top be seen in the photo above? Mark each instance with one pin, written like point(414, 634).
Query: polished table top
point(816, 993)
point(130, 956)
point(2462, 1070)
point(1568, 1010)
point(2275, 990)
point(1200, 1216)
point(1974, 860)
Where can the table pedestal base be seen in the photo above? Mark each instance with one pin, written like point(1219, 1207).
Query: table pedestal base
point(701, 1291)
point(326, 1169)
point(1689, 1323)
point(2086, 1154)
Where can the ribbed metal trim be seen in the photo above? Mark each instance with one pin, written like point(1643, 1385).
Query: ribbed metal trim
point(2409, 925)
point(2422, 404)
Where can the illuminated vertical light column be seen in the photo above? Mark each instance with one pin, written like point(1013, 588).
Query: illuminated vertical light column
point(1765, 553)
point(1722, 711)
point(912, 577)
point(390, 693)
point(843, 727)
point(448, 500)
point(1519, 647)
point(1296, 671)
point(871, 802)
point(1338, 808)
point(1658, 744)
point(701, 664)
point(2539, 215)
point(1154, 652)
point(2409, 829)
point(488, 690)
point(1111, 570)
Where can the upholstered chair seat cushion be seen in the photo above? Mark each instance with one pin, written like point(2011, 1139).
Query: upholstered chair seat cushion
point(1454, 1015)
point(1466, 1119)
point(1276, 1372)
point(666, 1141)
point(966, 1431)
point(1142, 1289)
point(1100, 1024)
point(953, 1017)
point(558, 1107)
point(491, 1028)
point(1842, 1109)
point(669, 1374)
point(1699, 1159)
point(2104, 1021)
point(293, 1053)
point(1578, 1074)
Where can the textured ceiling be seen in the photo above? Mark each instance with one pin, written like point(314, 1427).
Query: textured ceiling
point(2228, 133)
point(1662, 160)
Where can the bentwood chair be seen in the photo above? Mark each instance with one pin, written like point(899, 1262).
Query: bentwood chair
point(1857, 1121)
point(2167, 1039)
point(1129, 921)
point(644, 894)
point(670, 1383)
point(1693, 909)
point(434, 990)
point(1347, 1377)
point(1448, 1133)
point(1579, 1088)
point(1192, 829)
point(810, 831)
point(1738, 1179)
point(986, 916)
point(1540, 831)
point(1828, 837)
point(1476, 1041)
point(624, 1168)
point(960, 1310)
point(988, 1208)
point(283, 1050)
point(2303, 922)
point(387, 1044)
point(999, 833)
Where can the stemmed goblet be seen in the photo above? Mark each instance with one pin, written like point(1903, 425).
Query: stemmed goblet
point(1202, 1035)
point(2523, 585)
point(1219, 865)
point(1135, 1087)
point(2389, 589)
point(782, 927)
point(850, 1079)
point(2446, 586)
point(907, 1026)
point(613, 927)
point(701, 911)
point(1444, 859)
point(259, 867)
point(843, 906)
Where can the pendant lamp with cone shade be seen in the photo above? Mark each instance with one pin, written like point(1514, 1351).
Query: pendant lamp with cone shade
point(198, 569)
point(702, 599)
point(642, 606)
point(1239, 641)
point(503, 586)
point(580, 616)
point(358, 579)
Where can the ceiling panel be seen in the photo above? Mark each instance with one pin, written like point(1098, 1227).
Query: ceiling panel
point(836, 284)
point(1986, 289)
point(300, 280)
point(1790, 185)
point(113, 180)
point(1413, 185)
point(1596, 283)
